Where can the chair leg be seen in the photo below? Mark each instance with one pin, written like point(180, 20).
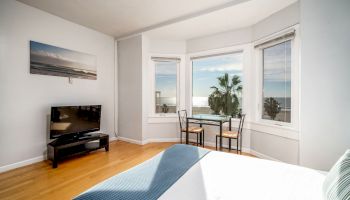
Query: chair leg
point(241, 145)
point(237, 144)
point(197, 139)
point(200, 138)
point(216, 142)
point(181, 137)
point(229, 144)
point(203, 138)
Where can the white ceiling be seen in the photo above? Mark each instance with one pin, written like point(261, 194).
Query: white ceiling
point(234, 17)
point(123, 17)
point(178, 19)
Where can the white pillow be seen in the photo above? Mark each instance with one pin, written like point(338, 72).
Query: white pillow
point(336, 185)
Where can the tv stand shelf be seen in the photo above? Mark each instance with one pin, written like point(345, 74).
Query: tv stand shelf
point(60, 149)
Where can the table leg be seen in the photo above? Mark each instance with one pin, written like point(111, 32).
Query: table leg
point(200, 125)
point(54, 164)
point(187, 131)
point(55, 158)
point(229, 128)
point(220, 136)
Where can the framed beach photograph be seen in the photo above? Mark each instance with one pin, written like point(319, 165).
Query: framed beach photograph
point(55, 61)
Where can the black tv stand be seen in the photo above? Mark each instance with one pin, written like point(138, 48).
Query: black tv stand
point(62, 148)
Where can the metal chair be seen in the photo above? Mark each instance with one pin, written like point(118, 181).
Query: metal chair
point(236, 135)
point(199, 131)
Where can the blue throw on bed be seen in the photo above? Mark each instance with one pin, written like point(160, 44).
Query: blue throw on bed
point(150, 179)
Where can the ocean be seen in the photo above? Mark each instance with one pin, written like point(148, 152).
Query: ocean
point(56, 70)
point(285, 103)
point(171, 101)
point(200, 101)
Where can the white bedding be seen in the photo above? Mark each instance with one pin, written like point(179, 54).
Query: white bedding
point(226, 176)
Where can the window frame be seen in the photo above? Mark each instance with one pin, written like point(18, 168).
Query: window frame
point(152, 111)
point(244, 49)
point(295, 63)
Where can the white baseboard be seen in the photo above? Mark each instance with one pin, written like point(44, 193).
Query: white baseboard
point(130, 140)
point(112, 139)
point(260, 155)
point(31, 161)
point(21, 164)
point(211, 144)
point(151, 140)
point(244, 149)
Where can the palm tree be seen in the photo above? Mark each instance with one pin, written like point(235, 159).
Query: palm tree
point(236, 91)
point(215, 102)
point(272, 107)
point(224, 98)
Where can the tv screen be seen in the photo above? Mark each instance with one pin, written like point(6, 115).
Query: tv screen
point(66, 120)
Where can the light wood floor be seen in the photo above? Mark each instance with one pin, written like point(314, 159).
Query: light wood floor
point(75, 175)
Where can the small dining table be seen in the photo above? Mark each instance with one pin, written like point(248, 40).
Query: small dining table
point(208, 119)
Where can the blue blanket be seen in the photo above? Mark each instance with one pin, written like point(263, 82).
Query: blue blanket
point(150, 179)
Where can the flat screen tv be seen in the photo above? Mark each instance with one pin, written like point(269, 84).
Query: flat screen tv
point(74, 120)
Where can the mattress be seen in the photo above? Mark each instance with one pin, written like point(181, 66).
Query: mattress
point(188, 172)
point(150, 179)
point(227, 176)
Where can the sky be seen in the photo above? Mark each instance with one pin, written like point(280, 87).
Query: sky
point(206, 70)
point(277, 70)
point(277, 75)
point(166, 78)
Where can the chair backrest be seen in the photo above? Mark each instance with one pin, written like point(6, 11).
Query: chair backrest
point(182, 118)
point(241, 122)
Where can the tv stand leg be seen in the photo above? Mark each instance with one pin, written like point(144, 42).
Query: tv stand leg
point(107, 147)
point(54, 164)
point(54, 158)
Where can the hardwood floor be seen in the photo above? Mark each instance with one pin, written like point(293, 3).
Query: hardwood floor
point(74, 176)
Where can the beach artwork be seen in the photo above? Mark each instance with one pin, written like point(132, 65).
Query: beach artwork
point(55, 61)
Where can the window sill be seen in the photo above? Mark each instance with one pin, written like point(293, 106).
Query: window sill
point(165, 115)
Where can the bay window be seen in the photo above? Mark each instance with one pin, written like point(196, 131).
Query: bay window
point(277, 82)
point(217, 84)
point(278, 61)
point(165, 85)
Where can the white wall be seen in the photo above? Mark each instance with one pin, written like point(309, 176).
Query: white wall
point(155, 128)
point(25, 99)
point(262, 140)
point(272, 145)
point(248, 71)
point(275, 147)
point(167, 128)
point(136, 123)
point(220, 40)
point(130, 88)
point(164, 46)
point(325, 70)
point(280, 20)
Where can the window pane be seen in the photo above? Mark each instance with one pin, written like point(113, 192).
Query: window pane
point(165, 95)
point(206, 74)
point(277, 82)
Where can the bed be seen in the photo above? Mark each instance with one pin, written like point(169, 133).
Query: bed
point(188, 172)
